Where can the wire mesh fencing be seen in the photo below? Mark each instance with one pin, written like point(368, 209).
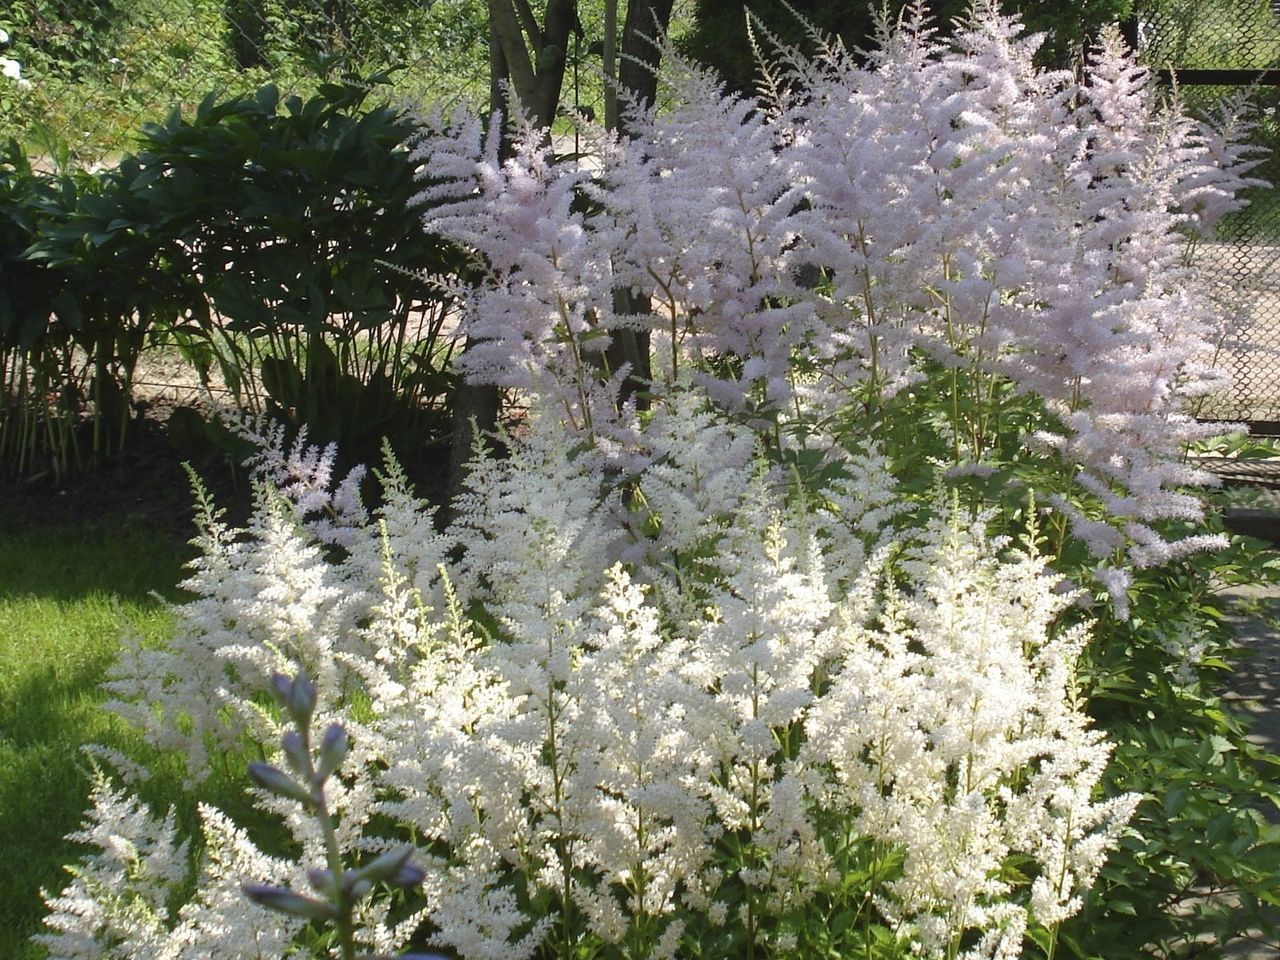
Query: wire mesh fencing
point(1213, 50)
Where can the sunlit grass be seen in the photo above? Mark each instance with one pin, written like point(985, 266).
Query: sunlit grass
point(65, 596)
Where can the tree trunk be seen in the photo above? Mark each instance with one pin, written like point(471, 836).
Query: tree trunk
point(532, 59)
point(475, 405)
point(647, 20)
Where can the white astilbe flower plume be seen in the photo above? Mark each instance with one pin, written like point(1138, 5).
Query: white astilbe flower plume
point(682, 667)
point(266, 603)
point(700, 468)
point(632, 750)
point(269, 599)
point(119, 906)
point(220, 922)
point(303, 472)
point(946, 205)
point(944, 728)
point(541, 319)
point(646, 829)
point(534, 528)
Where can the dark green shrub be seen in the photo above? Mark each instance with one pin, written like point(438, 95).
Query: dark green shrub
point(393, 28)
point(276, 247)
point(297, 224)
point(32, 362)
point(1201, 861)
point(81, 289)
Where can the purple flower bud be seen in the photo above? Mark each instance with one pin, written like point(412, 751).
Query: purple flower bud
point(278, 782)
point(322, 881)
point(385, 866)
point(286, 901)
point(280, 685)
point(302, 700)
point(296, 752)
point(332, 749)
point(408, 877)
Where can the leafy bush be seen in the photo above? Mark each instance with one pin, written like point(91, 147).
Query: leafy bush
point(62, 36)
point(32, 369)
point(791, 662)
point(322, 299)
point(1209, 853)
point(85, 293)
point(278, 246)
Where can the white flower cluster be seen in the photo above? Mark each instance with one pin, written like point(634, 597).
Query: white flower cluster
point(682, 675)
point(120, 904)
point(950, 204)
point(701, 738)
point(10, 68)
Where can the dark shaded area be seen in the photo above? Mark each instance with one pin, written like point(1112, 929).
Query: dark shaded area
point(144, 487)
point(721, 40)
point(147, 488)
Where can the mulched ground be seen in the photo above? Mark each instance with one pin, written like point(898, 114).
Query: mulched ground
point(148, 486)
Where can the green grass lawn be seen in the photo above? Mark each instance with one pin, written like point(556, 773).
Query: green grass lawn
point(64, 594)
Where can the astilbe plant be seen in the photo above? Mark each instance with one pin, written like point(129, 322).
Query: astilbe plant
point(1000, 249)
point(712, 748)
point(723, 674)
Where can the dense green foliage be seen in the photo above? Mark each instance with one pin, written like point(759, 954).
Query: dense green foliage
point(307, 266)
point(66, 35)
point(272, 241)
point(1204, 856)
point(71, 328)
point(93, 71)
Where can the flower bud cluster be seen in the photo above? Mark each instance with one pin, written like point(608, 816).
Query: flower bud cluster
point(339, 889)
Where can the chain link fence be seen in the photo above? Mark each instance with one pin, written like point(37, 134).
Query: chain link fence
point(1212, 50)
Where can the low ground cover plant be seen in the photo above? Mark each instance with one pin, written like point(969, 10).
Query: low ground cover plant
point(818, 643)
point(62, 594)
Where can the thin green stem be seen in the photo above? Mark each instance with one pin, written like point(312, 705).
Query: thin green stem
point(333, 855)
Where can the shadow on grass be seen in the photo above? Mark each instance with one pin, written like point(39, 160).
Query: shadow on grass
point(62, 562)
point(65, 594)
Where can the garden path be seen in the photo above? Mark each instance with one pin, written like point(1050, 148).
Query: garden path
point(1255, 692)
point(1255, 686)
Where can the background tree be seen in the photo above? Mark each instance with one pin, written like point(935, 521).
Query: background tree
point(530, 57)
point(527, 59)
point(638, 81)
point(719, 37)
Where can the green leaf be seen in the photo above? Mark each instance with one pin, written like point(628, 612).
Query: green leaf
point(267, 97)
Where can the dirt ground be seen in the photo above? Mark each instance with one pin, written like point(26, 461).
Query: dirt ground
point(148, 484)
